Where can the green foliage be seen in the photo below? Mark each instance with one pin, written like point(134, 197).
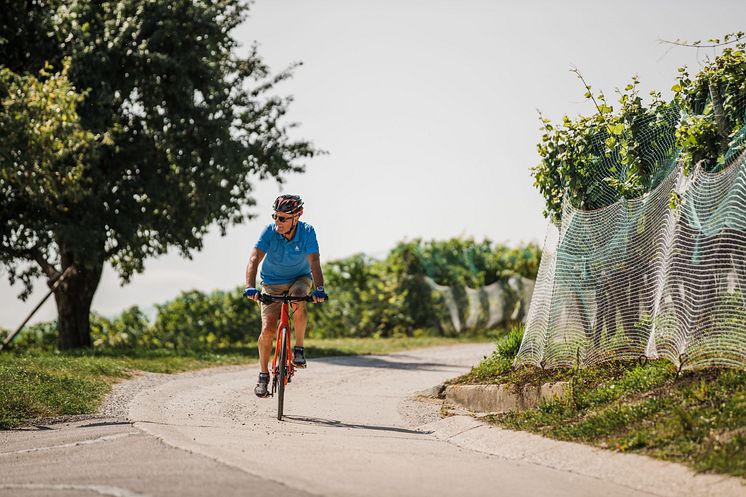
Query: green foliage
point(25, 25)
point(369, 298)
point(128, 330)
point(610, 155)
point(43, 155)
point(38, 336)
point(509, 345)
point(714, 104)
point(625, 152)
point(390, 297)
point(128, 128)
point(364, 303)
point(456, 263)
point(499, 362)
point(198, 321)
point(193, 321)
point(465, 262)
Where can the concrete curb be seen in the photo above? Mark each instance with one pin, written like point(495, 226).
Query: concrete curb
point(503, 398)
point(636, 472)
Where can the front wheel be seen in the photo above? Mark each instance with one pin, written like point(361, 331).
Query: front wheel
point(283, 373)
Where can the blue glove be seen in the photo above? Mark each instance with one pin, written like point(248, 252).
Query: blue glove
point(250, 293)
point(320, 295)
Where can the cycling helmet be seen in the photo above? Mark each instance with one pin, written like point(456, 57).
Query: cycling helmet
point(290, 204)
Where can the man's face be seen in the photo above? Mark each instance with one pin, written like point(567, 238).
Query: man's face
point(284, 222)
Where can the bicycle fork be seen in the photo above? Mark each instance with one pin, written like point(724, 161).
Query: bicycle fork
point(290, 367)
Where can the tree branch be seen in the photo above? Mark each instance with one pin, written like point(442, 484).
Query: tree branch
point(33, 254)
point(729, 39)
point(47, 267)
point(720, 118)
point(593, 99)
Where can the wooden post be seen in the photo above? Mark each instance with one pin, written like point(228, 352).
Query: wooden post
point(54, 286)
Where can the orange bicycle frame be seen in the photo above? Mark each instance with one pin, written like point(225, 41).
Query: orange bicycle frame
point(283, 325)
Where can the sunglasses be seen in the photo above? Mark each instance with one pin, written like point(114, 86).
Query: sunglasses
point(282, 219)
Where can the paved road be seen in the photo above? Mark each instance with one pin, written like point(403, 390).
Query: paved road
point(110, 457)
point(347, 431)
point(352, 429)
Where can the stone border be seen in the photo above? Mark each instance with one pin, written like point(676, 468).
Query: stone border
point(503, 398)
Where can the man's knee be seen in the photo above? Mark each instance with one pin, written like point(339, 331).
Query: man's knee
point(268, 331)
point(299, 309)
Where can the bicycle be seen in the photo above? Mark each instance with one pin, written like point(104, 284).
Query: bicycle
point(284, 369)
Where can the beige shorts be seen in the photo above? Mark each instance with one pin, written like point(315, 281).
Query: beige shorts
point(299, 287)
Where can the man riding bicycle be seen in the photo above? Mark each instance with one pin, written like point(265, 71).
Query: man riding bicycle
point(291, 267)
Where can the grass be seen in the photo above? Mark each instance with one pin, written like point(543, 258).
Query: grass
point(697, 418)
point(36, 384)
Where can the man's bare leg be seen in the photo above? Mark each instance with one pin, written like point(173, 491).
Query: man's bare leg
point(266, 339)
point(300, 321)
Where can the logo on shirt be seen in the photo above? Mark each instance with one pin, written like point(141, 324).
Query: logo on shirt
point(297, 248)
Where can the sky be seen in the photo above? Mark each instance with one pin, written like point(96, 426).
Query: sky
point(429, 113)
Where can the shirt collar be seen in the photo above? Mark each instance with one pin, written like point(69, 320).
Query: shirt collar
point(281, 237)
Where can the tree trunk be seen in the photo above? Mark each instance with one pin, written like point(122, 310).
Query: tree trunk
point(74, 297)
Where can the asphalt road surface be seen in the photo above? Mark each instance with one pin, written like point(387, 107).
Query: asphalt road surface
point(352, 428)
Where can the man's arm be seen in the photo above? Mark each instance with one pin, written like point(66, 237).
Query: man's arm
point(251, 268)
point(315, 262)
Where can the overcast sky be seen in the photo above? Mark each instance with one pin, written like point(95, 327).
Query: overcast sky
point(428, 110)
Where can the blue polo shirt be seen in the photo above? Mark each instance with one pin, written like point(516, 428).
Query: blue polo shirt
point(286, 260)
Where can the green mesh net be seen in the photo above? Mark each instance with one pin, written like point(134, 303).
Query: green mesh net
point(662, 275)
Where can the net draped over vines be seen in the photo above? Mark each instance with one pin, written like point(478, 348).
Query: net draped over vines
point(497, 304)
point(659, 276)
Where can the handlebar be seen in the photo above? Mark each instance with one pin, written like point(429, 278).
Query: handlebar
point(268, 299)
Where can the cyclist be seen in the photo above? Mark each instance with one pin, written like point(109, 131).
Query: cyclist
point(291, 267)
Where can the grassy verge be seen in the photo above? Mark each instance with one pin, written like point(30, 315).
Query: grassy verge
point(37, 384)
point(697, 418)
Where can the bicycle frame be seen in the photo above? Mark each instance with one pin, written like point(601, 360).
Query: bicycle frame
point(283, 368)
point(284, 354)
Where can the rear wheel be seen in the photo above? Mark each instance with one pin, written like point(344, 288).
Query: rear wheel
point(283, 367)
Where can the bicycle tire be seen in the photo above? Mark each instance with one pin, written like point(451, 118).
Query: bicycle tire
point(283, 366)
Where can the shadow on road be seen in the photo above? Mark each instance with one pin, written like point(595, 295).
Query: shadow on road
point(161, 423)
point(339, 424)
point(105, 423)
point(381, 362)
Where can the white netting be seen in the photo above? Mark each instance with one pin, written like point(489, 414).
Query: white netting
point(641, 277)
point(447, 293)
point(474, 307)
point(486, 307)
point(496, 297)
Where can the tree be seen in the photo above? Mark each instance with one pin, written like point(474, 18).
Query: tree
point(159, 128)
